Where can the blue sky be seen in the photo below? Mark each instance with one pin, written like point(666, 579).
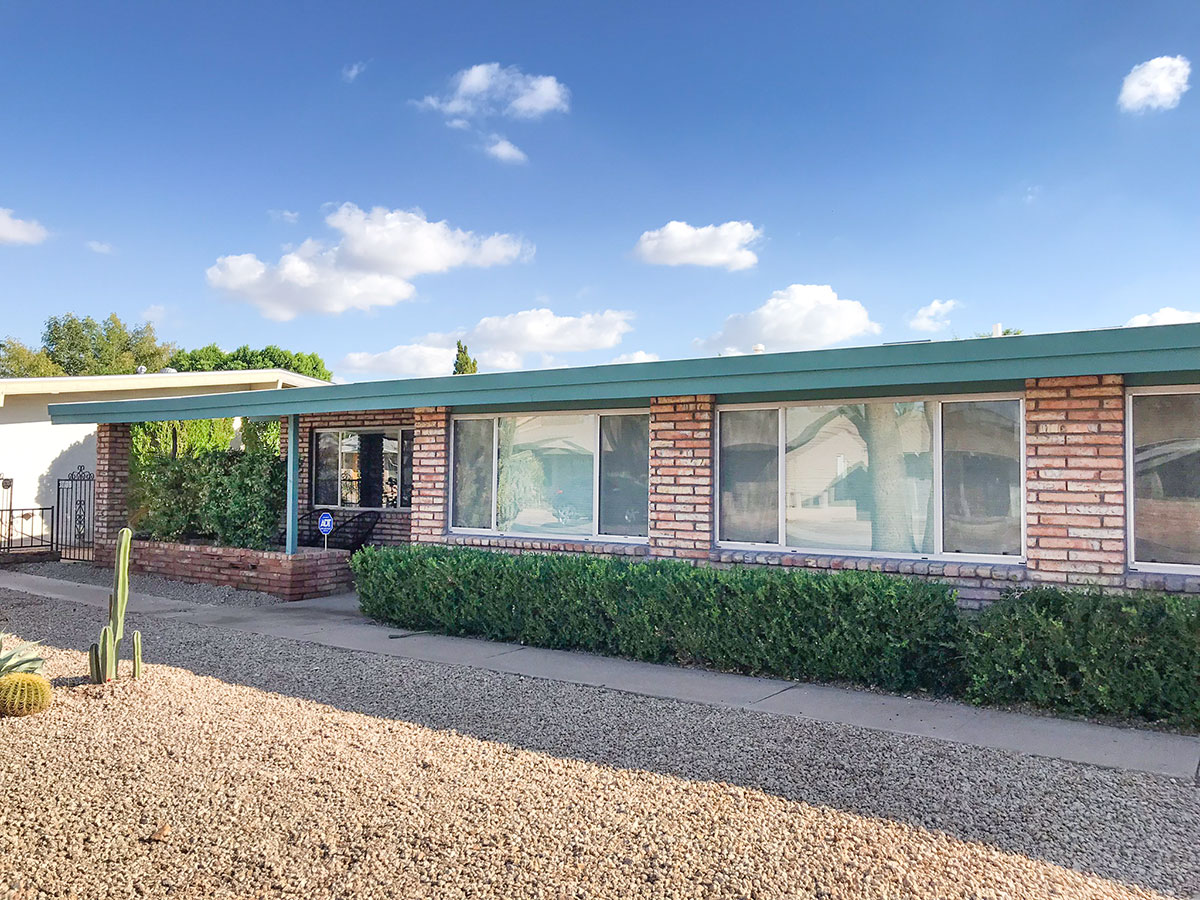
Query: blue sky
point(860, 161)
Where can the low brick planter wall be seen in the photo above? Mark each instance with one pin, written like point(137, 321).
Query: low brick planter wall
point(312, 572)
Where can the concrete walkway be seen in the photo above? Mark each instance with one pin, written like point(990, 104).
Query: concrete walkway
point(336, 622)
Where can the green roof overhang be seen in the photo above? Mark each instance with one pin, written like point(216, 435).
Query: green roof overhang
point(1161, 354)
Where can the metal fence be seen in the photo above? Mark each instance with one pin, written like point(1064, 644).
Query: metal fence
point(27, 529)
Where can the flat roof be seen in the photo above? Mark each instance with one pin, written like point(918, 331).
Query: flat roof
point(254, 379)
point(1161, 354)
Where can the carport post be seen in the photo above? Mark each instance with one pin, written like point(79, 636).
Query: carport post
point(293, 484)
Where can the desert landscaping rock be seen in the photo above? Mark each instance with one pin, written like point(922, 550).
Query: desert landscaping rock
point(249, 766)
point(154, 585)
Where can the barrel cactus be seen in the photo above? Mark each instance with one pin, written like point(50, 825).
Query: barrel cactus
point(23, 694)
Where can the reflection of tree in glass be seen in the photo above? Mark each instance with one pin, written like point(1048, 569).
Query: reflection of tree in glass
point(522, 478)
point(879, 427)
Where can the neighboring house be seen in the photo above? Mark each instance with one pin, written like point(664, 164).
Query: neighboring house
point(1065, 458)
point(35, 454)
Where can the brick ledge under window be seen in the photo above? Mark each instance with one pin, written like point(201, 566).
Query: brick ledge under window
point(894, 565)
point(500, 542)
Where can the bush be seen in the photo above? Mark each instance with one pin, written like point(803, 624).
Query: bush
point(862, 627)
point(1088, 652)
point(234, 497)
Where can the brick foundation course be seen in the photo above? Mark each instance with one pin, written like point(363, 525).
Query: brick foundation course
point(309, 573)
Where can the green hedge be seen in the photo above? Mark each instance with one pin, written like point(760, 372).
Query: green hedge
point(1083, 652)
point(234, 497)
point(1087, 652)
point(862, 627)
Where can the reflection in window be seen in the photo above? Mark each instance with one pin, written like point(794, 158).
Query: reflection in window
point(473, 473)
point(749, 476)
point(624, 475)
point(545, 474)
point(859, 477)
point(981, 477)
point(1166, 478)
point(362, 470)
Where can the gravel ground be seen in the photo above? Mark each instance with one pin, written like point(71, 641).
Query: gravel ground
point(155, 585)
point(308, 771)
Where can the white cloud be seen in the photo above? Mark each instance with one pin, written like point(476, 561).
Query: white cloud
point(679, 244)
point(933, 317)
point(20, 231)
point(800, 317)
point(99, 247)
point(372, 264)
point(500, 343)
point(284, 215)
point(1168, 315)
point(490, 89)
point(154, 314)
point(1158, 83)
point(351, 71)
point(637, 356)
point(506, 151)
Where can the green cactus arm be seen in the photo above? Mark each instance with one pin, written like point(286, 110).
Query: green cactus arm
point(95, 672)
point(120, 595)
point(108, 654)
point(137, 654)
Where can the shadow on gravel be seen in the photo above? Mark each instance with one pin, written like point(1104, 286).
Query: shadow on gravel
point(1130, 827)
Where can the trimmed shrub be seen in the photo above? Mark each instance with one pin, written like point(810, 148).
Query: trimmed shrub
point(1088, 652)
point(863, 627)
point(234, 497)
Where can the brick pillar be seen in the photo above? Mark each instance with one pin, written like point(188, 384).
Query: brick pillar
point(1075, 477)
point(431, 466)
point(111, 513)
point(681, 476)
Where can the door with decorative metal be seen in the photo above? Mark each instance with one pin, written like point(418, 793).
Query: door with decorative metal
point(74, 525)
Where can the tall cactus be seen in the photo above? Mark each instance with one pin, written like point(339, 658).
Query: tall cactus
point(104, 655)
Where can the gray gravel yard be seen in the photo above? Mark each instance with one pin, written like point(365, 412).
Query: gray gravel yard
point(155, 585)
point(286, 769)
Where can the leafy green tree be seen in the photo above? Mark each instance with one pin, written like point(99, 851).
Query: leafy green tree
point(464, 362)
point(83, 346)
point(213, 359)
point(18, 360)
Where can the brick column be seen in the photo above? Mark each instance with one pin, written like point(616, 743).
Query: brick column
point(111, 513)
point(681, 476)
point(431, 466)
point(1075, 477)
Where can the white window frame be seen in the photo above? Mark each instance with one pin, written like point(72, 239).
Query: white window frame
point(312, 469)
point(939, 554)
point(493, 531)
point(1130, 524)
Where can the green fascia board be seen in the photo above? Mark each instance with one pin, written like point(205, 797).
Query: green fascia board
point(1165, 351)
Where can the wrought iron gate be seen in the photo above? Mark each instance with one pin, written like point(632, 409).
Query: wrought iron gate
point(74, 526)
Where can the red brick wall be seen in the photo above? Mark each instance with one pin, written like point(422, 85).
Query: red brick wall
point(681, 476)
point(431, 467)
point(312, 572)
point(1075, 478)
point(393, 526)
point(113, 445)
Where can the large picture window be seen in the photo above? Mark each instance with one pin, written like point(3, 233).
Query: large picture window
point(1166, 478)
point(867, 477)
point(363, 469)
point(580, 475)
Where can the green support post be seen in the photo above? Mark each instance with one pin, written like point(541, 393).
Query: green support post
point(293, 484)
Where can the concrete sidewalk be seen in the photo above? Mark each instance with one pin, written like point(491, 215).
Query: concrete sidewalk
point(336, 622)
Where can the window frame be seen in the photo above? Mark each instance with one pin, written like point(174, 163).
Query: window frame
point(493, 531)
point(1131, 563)
point(398, 431)
point(935, 443)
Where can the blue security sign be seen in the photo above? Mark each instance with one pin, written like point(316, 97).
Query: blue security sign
point(325, 523)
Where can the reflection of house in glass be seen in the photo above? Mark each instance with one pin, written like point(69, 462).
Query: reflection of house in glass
point(546, 474)
point(981, 477)
point(1166, 463)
